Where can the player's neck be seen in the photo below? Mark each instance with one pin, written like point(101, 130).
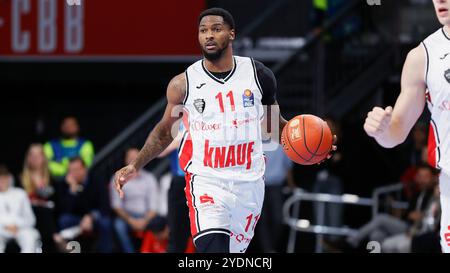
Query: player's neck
point(223, 64)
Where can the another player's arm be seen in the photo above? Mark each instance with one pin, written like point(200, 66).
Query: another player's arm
point(161, 135)
point(391, 127)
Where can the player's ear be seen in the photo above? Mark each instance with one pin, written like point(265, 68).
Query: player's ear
point(232, 34)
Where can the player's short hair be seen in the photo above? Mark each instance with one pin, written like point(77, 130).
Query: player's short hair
point(227, 17)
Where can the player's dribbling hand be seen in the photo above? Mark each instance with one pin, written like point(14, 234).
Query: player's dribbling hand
point(122, 176)
point(333, 150)
point(377, 121)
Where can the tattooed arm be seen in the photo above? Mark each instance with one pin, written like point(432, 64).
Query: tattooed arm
point(160, 137)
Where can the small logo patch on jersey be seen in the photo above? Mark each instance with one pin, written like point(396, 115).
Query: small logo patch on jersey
point(447, 75)
point(201, 85)
point(445, 55)
point(199, 105)
point(205, 198)
point(248, 98)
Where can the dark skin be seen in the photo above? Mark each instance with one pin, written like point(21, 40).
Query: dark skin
point(215, 38)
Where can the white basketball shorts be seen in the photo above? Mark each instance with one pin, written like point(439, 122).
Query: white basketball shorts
point(444, 187)
point(224, 206)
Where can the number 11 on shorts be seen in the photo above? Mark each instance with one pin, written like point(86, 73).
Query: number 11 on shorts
point(249, 221)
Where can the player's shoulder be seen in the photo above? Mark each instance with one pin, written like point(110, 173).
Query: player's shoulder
point(178, 84)
point(421, 51)
point(416, 66)
point(176, 89)
point(417, 55)
point(262, 69)
point(259, 65)
point(435, 37)
point(178, 80)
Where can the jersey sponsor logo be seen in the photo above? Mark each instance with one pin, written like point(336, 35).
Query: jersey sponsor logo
point(236, 123)
point(447, 75)
point(248, 98)
point(203, 126)
point(200, 86)
point(228, 156)
point(445, 55)
point(199, 104)
point(240, 238)
point(205, 198)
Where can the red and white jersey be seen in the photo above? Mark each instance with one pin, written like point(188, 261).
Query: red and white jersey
point(437, 79)
point(223, 123)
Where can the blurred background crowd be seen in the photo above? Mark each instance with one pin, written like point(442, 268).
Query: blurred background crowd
point(72, 114)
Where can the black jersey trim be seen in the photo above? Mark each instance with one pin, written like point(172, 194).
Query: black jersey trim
point(438, 142)
point(187, 88)
point(215, 78)
point(445, 34)
point(211, 230)
point(197, 222)
point(428, 63)
point(256, 76)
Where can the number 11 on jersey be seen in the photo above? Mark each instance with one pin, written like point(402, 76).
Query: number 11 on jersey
point(229, 95)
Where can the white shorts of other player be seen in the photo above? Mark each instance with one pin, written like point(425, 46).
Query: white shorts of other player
point(444, 185)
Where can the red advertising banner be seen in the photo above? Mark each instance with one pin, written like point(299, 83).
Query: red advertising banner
point(98, 28)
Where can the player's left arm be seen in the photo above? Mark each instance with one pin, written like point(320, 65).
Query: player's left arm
point(274, 109)
point(268, 84)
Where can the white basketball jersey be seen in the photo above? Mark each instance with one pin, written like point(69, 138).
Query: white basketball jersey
point(437, 79)
point(223, 122)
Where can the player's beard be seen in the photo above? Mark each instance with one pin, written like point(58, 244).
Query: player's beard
point(215, 55)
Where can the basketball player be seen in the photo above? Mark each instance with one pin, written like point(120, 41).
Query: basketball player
point(425, 77)
point(221, 150)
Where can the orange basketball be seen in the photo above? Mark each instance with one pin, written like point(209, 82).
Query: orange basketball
point(307, 139)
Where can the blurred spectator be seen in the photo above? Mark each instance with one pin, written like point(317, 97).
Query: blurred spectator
point(35, 176)
point(178, 212)
point(383, 226)
point(137, 211)
point(160, 244)
point(419, 150)
point(82, 206)
point(70, 145)
point(16, 216)
point(428, 239)
point(416, 156)
point(36, 181)
point(163, 195)
point(278, 172)
point(324, 10)
point(328, 180)
point(424, 223)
